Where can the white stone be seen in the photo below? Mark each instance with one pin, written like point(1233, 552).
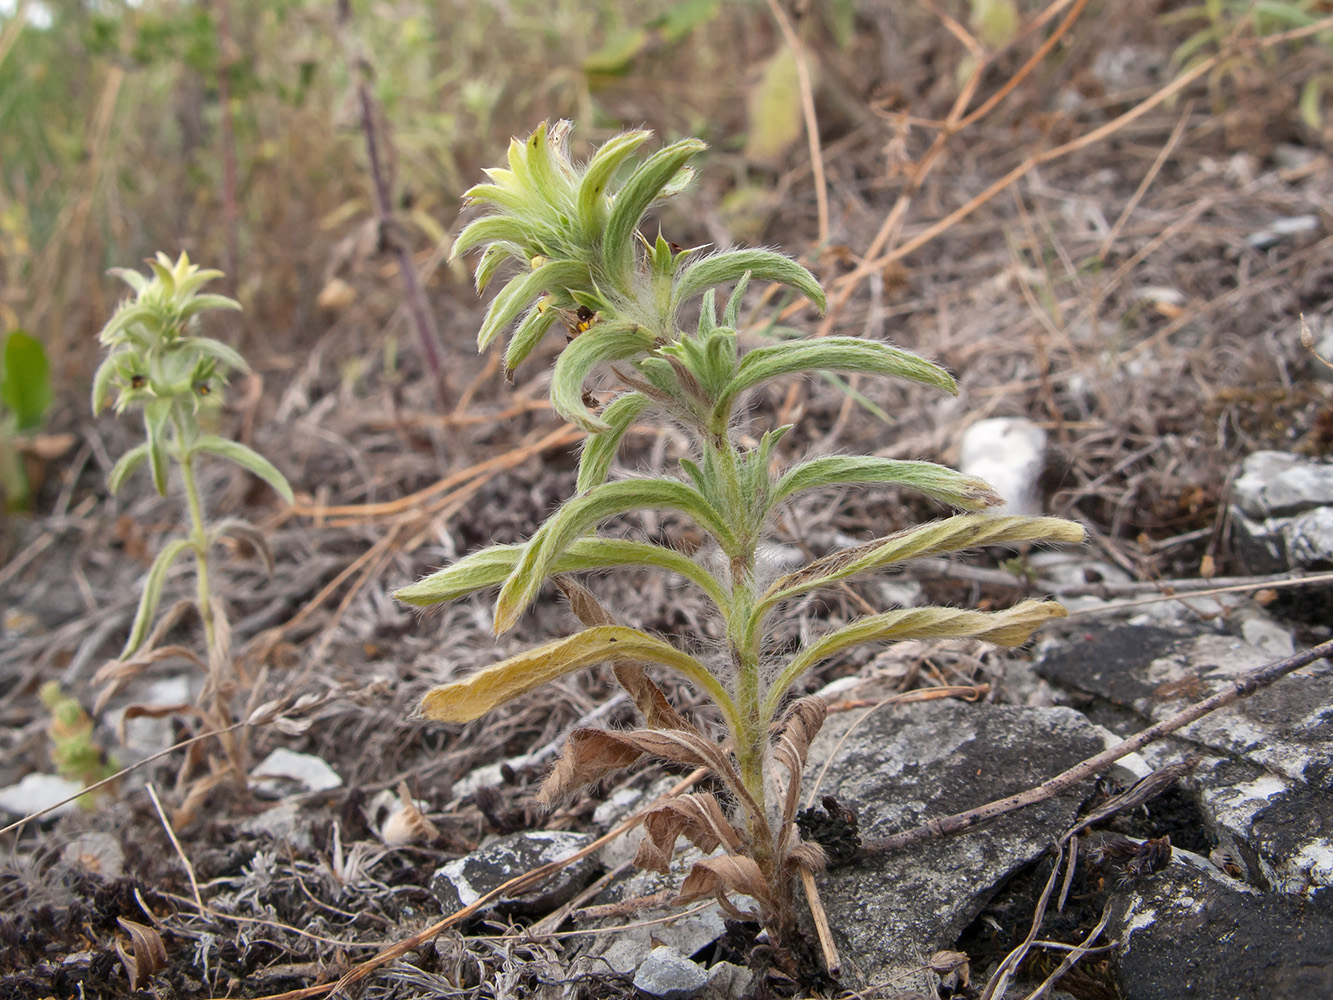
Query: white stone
point(1010, 454)
point(285, 770)
point(37, 792)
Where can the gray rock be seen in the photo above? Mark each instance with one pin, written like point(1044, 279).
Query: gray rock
point(462, 882)
point(1185, 932)
point(727, 981)
point(927, 760)
point(1279, 484)
point(285, 823)
point(624, 948)
point(1308, 538)
point(669, 975)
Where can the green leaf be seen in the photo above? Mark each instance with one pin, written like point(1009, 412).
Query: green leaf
point(493, 229)
point(152, 594)
point(155, 415)
point(936, 481)
point(732, 265)
point(607, 341)
point(124, 468)
point(732, 314)
point(1011, 627)
point(25, 379)
point(106, 372)
point(591, 202)
point(200, 303)
point(599, 450)
point(523, 288)
point(643, 187)
point(528, 334)
point(492, 566)
point(207, 346)
point(847, 354)
point(491, 259)
point(580, 515)
point(246, 458)
point(952, 534)
point(465, 700)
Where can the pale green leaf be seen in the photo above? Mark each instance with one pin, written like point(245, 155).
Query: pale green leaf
point(582, 514)
point(523, 288)
point(125, 467)
point(246, 458)
point(952, 534)
point(732, 265)
point(936, 481)
point(599, 450)
point(607, 341)
point(492, 566)
point(643, 187)
point(152, 594)
point(1011, 627)
point(465, 700)
point(847, 354)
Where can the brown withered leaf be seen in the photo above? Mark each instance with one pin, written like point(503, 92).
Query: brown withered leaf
point(149, 955)
point(800, 726)
point(114, 673)
point(697, 816)
point(591, 754)
point(648, 698)
point(730, 872)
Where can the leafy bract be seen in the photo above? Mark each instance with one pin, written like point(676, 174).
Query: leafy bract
point(580, 515)
point(465, 700)
point(936, 481)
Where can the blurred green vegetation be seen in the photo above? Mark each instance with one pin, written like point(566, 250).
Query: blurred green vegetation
point(115, 138)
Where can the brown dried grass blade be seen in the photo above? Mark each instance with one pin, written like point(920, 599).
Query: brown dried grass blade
point(648, 698)
point(698, 817)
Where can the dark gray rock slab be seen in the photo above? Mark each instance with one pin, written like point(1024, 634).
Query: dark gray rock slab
point(467, 879)
point(1188, 933)
point(903, 765)
point(1263, 783)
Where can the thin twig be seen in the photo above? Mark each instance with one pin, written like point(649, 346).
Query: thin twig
point(1241, 687)
point(808, 112)
point(180, 853)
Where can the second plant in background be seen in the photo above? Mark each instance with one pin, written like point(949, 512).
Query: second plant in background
point(159, 364)
point(584, 265)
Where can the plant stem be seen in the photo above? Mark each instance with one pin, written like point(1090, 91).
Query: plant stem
point(234, 748)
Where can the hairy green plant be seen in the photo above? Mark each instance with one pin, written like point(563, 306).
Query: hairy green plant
point(159, 364)
point(74, 752)
point(582, 263)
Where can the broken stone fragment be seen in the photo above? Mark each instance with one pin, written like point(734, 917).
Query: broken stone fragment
point(669, 975)
point(467, 879)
